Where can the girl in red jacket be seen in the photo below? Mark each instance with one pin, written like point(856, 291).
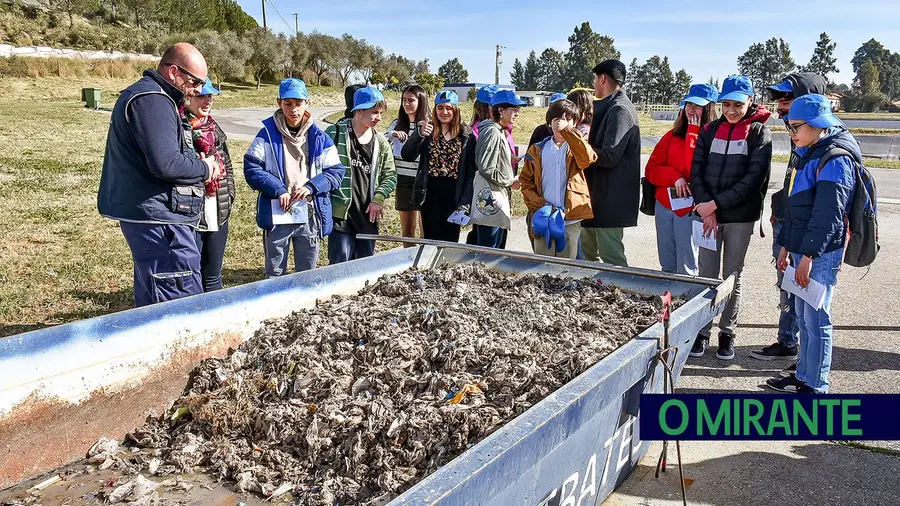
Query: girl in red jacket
point(669, 170)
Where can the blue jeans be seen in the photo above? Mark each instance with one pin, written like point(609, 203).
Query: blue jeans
point(675, 242)
point(343, 247)
point(277, 247)
point(788, 332)
point(166, 261)
point(490, 237)
point(815, 325)
point(212, 254)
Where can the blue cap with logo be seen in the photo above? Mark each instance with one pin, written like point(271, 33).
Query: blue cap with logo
point(366, 98)
point(737, 89)
point(209, 89)
point(557, 97)
point(506, 97)
point(782, 87)
point(485, 93)
point(292, 88)
point(446, 97)
point(701, 94)
point(815, 110)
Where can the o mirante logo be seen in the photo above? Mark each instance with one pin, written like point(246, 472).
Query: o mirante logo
point(767, 416)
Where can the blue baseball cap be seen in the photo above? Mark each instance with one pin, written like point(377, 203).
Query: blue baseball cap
point(209, 89)
point(557, 96)
point(506, 97)
point(292, 88)
point(815, 110)
point(737, 88)
point(366, 98)
point(486, 93)
point(446, 97)
point(782, 87)
point(701, 94)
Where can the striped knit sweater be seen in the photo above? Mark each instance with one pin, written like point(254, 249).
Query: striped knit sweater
point(384, 175)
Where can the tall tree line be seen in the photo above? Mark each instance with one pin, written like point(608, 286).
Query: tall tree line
point(553, 70)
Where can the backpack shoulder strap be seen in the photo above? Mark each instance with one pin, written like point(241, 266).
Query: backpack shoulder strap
point(830, 154)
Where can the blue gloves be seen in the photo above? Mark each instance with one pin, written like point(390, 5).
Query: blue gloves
point(550, 223)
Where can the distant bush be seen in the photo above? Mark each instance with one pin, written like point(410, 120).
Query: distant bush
point(17, 66)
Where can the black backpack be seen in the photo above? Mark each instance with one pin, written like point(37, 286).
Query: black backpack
point(862, 220)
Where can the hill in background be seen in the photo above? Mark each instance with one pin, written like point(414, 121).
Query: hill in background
point(141, 26)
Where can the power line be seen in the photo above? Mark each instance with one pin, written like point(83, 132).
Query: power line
point(279, 15)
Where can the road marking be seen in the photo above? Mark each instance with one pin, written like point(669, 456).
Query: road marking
point(889, 201)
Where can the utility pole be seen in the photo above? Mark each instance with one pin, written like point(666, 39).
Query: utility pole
point(264, 14)
point(296, 25)
point(497, 62)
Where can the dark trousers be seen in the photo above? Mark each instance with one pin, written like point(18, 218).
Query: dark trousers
point(212, 254)
point(166, 261)
point(438, 206)
point(491, 237)
point(343, 247)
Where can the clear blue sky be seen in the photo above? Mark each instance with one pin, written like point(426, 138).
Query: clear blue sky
point(705, 38)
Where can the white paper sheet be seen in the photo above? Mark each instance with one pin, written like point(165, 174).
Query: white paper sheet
point(679, 203)
point(210, 213)
point(299, 213)
point(813, 294)
point(708, 242)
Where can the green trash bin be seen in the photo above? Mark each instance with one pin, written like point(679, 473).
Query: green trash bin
point(91, 97)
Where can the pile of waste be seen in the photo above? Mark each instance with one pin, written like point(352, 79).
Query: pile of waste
point(357, 399)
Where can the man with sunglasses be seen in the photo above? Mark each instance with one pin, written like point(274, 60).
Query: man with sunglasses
point(152, 179)
point(783, 94)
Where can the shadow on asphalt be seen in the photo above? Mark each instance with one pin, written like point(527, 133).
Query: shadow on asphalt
point(817, 473)
point(843, 359)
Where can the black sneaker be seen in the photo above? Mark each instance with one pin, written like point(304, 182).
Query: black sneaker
point(774, 352)
point(789, 385)
point(789, 371)
point(726, 346)
point(700, 345)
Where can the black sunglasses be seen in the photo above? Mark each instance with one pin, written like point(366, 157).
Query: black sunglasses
point(194, 80)
point(795, 128)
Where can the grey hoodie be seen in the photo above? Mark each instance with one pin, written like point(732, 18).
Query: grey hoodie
point(493, 157)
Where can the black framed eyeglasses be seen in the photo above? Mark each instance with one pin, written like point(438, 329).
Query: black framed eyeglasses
point(194, 80)
point(795, 128)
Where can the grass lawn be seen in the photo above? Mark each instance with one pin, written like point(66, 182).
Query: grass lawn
point(62, 261)
point(246, 95)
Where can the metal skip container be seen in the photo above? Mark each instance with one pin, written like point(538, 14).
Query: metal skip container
point(64, 387)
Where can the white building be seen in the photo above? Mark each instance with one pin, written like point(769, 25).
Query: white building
point(462, 89)
point(536, 98)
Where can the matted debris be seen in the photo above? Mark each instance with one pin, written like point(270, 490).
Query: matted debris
point(356, 400)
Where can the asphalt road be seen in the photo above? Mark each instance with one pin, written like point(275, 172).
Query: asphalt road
point(243, 124)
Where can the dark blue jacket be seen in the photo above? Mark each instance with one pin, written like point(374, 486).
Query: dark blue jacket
point(151, 173)
point(818, 204)
point(264, 172)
